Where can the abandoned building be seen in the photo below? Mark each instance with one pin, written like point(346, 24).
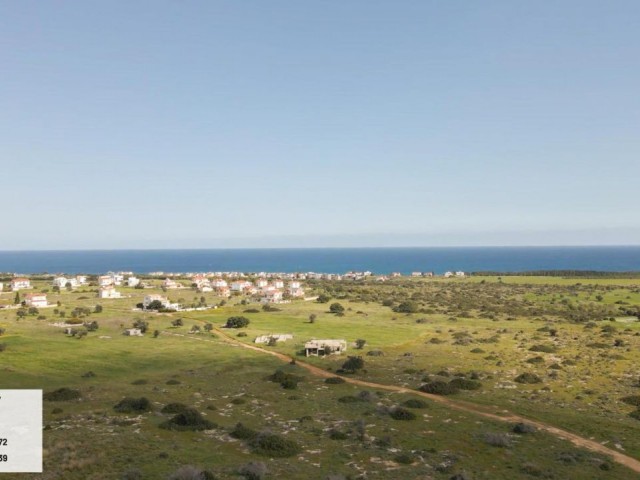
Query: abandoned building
point(325, 347)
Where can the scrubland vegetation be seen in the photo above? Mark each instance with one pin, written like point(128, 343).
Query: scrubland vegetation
point(184, 402)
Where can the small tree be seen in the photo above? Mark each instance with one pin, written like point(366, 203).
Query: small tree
point(16, 299)
point(237, 322)
point(156, 333)
point(177, 322)
point(336, 308)
point(312, 318)
point(323, 298)
point(21, 313)
point(360, 343)
point(141, 324)
point(97, 309)
point(33, 311)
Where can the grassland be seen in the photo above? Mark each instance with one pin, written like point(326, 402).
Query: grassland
point(482, 328)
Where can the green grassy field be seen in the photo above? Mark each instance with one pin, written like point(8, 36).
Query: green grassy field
point(484, 330)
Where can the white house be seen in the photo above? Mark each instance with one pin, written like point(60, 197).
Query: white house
point(223, 291)
point(261, 282)
point(325, 347)
point(35, 300)
point(81, 279)
point(59, 282)
point(105, 280)
point(272, 296)
point(240, 286)
point(108, 292)
point(117, 278)
point(171, 284)
point(448, 274)
point(460, 274)
point(278, 284)
point(219, 283)
point(295, 290)
point(148, 299)
point(1, 286)
point(205, 288)
point(20, 283)
point(133, 281)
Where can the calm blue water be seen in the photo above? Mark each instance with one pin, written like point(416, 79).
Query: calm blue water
point(327, 260)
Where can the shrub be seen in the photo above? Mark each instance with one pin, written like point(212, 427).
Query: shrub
point(523, 428)
point(465, 384)
point(133, 405)
point(543, 348)
point(273, 445)
point(174, 408)
point(404, 459)
point(61, 395)
point(528, 378)
point(436, 341)
point(88, 374)
point(400, 413)
point(632, 400)
point(635, 414)
point(173, 381)
point(242, 433)
point(439, 388)
point(336, 308)
point(188, 420)
point(496, 439)
point(415, 403)
point(337, 435)
point(477, 350)
point(535, 360)
point(237, 322)
point(253, 471)
point(140, 381)
point(286, 380)
point(375, 353)
point(251, 310)
point(350, 399)
point(353, 364)
point(3, 347)
point(189, 472)
point(334, 380)
point(360, 343)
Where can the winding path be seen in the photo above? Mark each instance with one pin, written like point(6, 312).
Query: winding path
point(460, 405)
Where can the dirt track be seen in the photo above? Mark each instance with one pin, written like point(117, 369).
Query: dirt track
point(460, 405)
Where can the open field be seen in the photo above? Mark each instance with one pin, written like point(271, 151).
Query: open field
point(583, 332)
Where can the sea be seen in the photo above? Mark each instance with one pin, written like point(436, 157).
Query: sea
point(326, 260)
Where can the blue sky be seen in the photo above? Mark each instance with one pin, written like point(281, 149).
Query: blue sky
point(159, 124)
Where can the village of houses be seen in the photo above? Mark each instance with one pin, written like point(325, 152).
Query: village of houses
point(266, 288)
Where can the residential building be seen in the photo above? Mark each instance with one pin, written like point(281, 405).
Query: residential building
point(20, 283)
point(108, 291)
point(37, 300)
point(325, 347)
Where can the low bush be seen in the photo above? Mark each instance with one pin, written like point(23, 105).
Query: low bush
point(174, 408)
point(337, 435)
point(543, 348)
point(188, 420)
point(241, 432)
point(415, 403)
point(133, 405)
point(173, 381)
point(535, 360)
point(632, 400)
point(439, 388)
point(496, 439)
point(528, 378)
point(523, 428)
point(400, 413)
point(350, 399)
point(61, 395)
point(273, 445)
point(465, 384)
point(375, 353)
point(404, 459)
point(253, 471)
point(140, 381)
point(334, 380)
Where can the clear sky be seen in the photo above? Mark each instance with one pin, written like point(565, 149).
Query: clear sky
point(160, 124)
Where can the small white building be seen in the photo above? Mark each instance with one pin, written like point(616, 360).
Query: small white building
point(460, 274)
point(20, 283)
point(105, 280)
point(1, 286)
point(117, 278)
point(133, 282)
point(261, 283)
point(133, 332)
point(171, 284)
point(278, 284)
point(279, 337)
point(319, 348)
point(241, 286)
point(81, 279)
point(108, 292)
point(37, 300)
point(59, 282)
point(219, 283)
point(448, 274)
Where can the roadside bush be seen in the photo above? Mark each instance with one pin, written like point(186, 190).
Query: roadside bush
point(465, 384)
point(61, 395)
point(353, 364)
point(439, 388)
point(415, 403)
point(528, 377)
point(174, 408)
point(523, 428)
point(133, 405)
point(436, 341)
point(188, 420)
point(173, 381)
point(334, 380)
point(273, 445)
point(400, 413)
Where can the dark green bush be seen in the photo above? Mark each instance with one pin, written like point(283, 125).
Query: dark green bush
point(465, 384)
point(174, 408)
point(439, 388)
point(528, 378)
point(242, 432)
point(133, 405)
point(400, 413)
point(334, 380)
point(61, 395)
point(415, 403)
point(188, 420)
point(273, 445)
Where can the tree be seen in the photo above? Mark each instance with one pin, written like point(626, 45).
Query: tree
point(177, 322)
point(56, 289)
point(336, 308)
point(21, 313)
point(98, 309)
point(2, 331)
point(312, 318)
point(323, 298)
point(353, 364)
point(16, 300)
point(91, 326)
point(406, 307)
point(208, 327)
point(156, 333)
point(237, 322)
point(141, 324)
point(155, 305)
point(69, 286)
point(33, 311)
point(360, 343)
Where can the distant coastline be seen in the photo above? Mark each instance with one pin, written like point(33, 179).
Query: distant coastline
point(499, 260)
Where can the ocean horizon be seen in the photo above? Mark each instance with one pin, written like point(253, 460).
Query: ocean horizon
point(379, 260)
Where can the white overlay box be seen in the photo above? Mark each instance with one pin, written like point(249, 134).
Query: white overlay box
point(20, 431)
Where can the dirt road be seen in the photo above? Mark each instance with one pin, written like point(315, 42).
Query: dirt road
point(502, 416)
